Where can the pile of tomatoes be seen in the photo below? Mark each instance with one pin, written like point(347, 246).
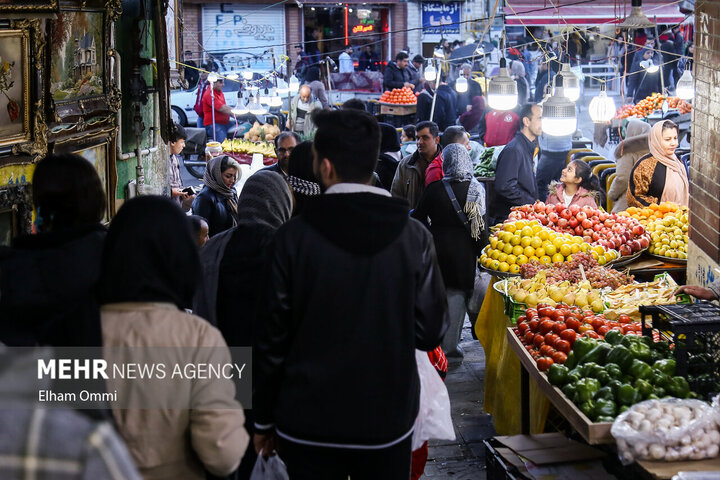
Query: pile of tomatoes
point(650, 104)
point(399, 96)
point(549, 333)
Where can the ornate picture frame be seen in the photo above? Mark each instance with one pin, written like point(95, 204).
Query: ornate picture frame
point(23, 130)
point(99, 150)
point(29, 6)
point(83, 94)
point(15, 211)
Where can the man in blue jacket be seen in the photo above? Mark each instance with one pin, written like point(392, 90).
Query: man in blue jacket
point(515, 173)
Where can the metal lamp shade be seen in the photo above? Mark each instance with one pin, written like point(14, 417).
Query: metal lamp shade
point(685, 88)
point(558, 115)
point(502, 91)
point(602, 108)
point(637, 18)
point(571, 83)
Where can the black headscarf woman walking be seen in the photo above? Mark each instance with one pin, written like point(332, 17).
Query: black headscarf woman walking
point(217, 202)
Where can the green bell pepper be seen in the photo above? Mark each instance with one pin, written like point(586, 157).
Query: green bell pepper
point(604, 419)
point(640, 351)
point(643, 387)
point(557, 374)
point(678, 387)
point(603, 376)
point(614, 385)
point(626, 395)
point(623, 409)
point(640, 369)
point(665, 366)
point(590, 369)
point(621, 357)
point(655, 356)
point(652, 396)
point(662, 347)
point(613, 369)
point(598, 354)
point(582, 347)
point(570, 391)
point(647, 341)
point(659, 392)
point(614, 337)
point(629, 340)
point(572, 359)
point(604, 408)
point(573, 376)
point(605, 393)
point(587, 388)
point(660, 379)
point(588, 408)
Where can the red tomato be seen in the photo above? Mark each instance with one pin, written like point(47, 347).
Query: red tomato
point(613, 324)
point(538, 340)
point(529, 337)
point(559, 357)
point(534, 325)
point(626, 328)
point(546, 326)
point(592, 334)
point(568, 335)
point(546, 350)
point(559, 327)
point(544, 363)
point(551, 338)
point(521, 319)
point(585, 327)
point(597, 323)
point(545, 310)
point(603, 330)
point(572, 323)
point(523, 328)
point(624, 319)
point(563, 346)
point(557, 316)
point(531, 313)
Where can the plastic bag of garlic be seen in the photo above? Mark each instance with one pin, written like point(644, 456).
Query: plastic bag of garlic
point(667, 430)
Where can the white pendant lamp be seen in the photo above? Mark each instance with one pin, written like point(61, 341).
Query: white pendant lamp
point(637, 18)
point(502, 91)
point(212, 78)
point(430, 73)
point(232, 76)
point(558, 113)
point(571, 83)
point(294, 84)
point(255, 107)
point(602, 108)
point(461, 84)
point(247, 74)
point(240, 108)
point(685, 89)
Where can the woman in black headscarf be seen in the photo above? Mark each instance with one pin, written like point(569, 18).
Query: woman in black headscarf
point(389, 155)
point(48, 280)
point(150, 268)
point(217, 201)
point(301, 176)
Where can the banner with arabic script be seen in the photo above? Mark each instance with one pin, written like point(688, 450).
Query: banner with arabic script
point(441, 18)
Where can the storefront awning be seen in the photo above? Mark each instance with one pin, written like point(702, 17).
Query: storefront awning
point(524, 12)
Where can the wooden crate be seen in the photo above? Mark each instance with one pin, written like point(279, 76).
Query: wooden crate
point(400, 110)
point(593, 433)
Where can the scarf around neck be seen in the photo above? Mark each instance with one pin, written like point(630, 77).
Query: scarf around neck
point(213, 180)
point(677, 186)
point(458, 167)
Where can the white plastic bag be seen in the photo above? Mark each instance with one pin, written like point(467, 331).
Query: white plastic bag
point(433, 420)
point(667, 430)
point(271, 468)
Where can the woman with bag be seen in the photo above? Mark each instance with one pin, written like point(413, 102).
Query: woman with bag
point(455, 207)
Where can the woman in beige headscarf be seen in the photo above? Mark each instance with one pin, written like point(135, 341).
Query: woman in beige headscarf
point(634, 147)
point(659, 176)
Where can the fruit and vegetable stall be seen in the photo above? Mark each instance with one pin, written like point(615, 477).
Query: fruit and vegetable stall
point(618, 358)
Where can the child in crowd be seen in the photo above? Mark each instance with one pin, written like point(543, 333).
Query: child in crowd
point(577, 186)
point(199, 228)
point(408, 141)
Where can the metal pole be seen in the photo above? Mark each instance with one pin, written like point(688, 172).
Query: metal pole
point(329, 92)
point(212, 102)
point(437, 78)
point(660, 63)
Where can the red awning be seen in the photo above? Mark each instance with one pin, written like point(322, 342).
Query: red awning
point(542, 12)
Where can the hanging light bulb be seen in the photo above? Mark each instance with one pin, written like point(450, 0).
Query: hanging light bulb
point(247, 74)
point(276, 101)
point(502, 91)
point(571, 83)
point(294, 84)
point(685, 89)
point(265, 99)
point(212, 78)
point(232, 76)
point(430, 73)
point(602, 107)
point(637, 18)
point(282, 87)
point(461, 84)
point(255, 107)
point(649, 66)
point(558, 113)
point(240, 108)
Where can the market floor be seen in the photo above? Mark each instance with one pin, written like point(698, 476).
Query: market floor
point(464, 457)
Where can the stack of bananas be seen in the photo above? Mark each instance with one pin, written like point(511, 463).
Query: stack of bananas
point(243, 146)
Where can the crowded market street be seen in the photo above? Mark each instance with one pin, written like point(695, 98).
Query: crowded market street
point(402, 240)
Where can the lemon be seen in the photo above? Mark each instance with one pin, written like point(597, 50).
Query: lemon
point(549, 248)
point(545, 260)
point(504, 267)
point(537, 228)
point(525, 241)
point(520, 224)
point(533, 259)
point(558, 242)
point(506, 236)
point(527, 232)
point(601, 260)
point(511, 259)
point(558, 258)
point(502, 257)
point(508, 248)
point(515, 240)
point(594, 254)
point(495, 254)
point(510, 227)
point(529, 251)
point(577, 240)
point(514, 268)
point(543, 235)
point(585, 247)
point(574, 248)
point(494, 265)
point(536, 242)
point(565, 250)
point(493, 242)
point(521, 260)
point(540, 252)
point(517, 250)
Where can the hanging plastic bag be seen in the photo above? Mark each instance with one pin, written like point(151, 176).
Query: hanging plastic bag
point(433, 420)
point(271, 468)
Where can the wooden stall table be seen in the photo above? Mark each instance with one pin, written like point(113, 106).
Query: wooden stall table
point(645, 268)
point(502, 372)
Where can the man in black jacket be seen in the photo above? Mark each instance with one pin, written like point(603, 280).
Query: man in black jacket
point(515, 173)
point(335, 372)
point(396, 73)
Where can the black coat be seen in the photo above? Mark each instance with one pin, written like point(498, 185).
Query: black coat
point(395, 77)
point(457, 251)
point(385, 170)
point(514, 177)
point(214, 208)
point(354, 288)
point(463, 100)
point(48, 283)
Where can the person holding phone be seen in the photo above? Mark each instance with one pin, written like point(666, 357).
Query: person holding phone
point(183, 197)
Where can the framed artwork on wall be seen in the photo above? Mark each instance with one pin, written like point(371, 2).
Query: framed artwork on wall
point(14, 86)
point(34, 6)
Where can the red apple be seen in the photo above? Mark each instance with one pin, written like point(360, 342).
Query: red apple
point(574, 209)
point(638, 229)
point(580, 216)
point(562, 222)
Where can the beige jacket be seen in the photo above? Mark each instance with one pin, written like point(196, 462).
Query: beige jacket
point(175, 443)
point(627, 153)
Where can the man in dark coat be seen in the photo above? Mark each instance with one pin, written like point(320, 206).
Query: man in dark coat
point(415, 68)
point(396, 73)
point(514, 176)
point(464, 100)
point(324, 337)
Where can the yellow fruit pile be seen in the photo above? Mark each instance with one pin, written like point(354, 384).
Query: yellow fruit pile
point(669, 234)
point(522, 241)
point(536, 290)
point(653, 212)
point(243, 146)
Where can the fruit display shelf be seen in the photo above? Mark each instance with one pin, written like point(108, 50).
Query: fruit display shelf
point(678, 261)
